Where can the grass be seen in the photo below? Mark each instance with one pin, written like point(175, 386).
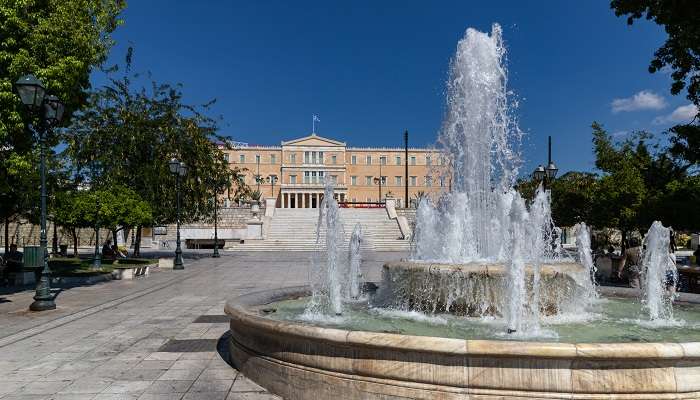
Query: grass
point(76, 267)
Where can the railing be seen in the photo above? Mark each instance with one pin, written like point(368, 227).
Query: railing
point(361, 204)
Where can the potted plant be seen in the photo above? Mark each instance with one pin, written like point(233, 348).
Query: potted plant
point(255, 202)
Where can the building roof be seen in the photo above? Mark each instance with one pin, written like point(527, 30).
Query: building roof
point(313, 136)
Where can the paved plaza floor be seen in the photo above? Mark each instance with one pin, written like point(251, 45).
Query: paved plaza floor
point(160, 337)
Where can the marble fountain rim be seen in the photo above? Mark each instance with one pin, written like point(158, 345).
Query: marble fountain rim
point(240, 311)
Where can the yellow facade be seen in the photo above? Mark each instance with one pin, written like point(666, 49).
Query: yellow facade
point(294, 173)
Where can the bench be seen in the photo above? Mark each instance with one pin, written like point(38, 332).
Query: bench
point(131, 272)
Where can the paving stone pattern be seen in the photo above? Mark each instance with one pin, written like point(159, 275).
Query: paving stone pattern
point(156, 338)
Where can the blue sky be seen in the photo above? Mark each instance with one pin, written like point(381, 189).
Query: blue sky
point(371, 69)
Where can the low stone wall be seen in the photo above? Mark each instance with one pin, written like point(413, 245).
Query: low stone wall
point(299, 361)
point(24, 233)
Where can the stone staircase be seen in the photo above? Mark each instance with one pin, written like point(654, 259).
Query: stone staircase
point(295, 230)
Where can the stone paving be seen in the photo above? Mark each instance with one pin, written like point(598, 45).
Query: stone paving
point(143, 339)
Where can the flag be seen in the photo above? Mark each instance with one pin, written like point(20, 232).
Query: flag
point(316, 119)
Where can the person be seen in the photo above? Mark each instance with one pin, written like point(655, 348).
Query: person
point(14, 258)
point(117, 253)
point(107, 250)
point(671, 271)
point(631, 264)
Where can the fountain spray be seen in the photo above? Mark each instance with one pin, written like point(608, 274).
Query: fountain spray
point(657, 269)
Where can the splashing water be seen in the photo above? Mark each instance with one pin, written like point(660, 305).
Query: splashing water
point(329, 267)
point(483, 219)
point(658, 270)
point(355, 260)
point(583, 246)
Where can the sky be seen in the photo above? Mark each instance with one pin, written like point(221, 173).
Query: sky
point(372, 69)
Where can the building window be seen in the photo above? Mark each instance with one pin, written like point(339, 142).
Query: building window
point(273, 159)
point(398, 160)
point(307, 177)
point(293, 158)
point(414, 180)
point(368, 180)
point(320, 176)
point(384, 180)
point(313, 158)
point(241, 158)
point(369, 160)
point(257, 158)
point(320, 157)
point(334, 178)
point(428, 160)
point(397, 180)
point(353, 181)
point(292, 179)
point(369, 199)
point(428, 181)
point(382, 160)
point(334, 160)
point(442, 160)
point(442, 181)
point(413, 160)
point(353, 160)
point(226, 157)
point(306, 157)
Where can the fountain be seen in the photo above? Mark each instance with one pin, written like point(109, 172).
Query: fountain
point(487, 305)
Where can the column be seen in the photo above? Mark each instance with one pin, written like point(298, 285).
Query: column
point(303, 200)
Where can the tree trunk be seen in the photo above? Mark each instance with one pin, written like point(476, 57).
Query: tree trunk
point(114, 237)
point(137, 244)
point(7, 235)
point(75, 242)
point(623, 242)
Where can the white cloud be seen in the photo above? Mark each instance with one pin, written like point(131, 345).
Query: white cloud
point(644, 100)
point(682, 114)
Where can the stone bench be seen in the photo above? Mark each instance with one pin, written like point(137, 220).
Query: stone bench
point(131, 272)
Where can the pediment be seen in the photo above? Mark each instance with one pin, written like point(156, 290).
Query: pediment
point(313, 140)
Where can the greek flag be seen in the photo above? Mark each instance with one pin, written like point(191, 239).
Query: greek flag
point(316, 119)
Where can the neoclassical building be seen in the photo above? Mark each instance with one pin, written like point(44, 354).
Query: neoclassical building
point(295, 172)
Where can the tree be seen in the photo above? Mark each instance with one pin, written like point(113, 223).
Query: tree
point(132, 135)
point(61, 42)
point(681, 51)
point(573, 197)
point(115, 208)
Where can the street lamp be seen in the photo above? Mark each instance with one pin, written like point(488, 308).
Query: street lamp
point(272, 179)
point(179, 169)
point(378, 181)
point(546, 174)
point(216, 227)
point(50, 109)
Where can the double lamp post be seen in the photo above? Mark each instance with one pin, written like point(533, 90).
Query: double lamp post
point(49, 109)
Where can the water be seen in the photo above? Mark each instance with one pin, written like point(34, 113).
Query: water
point(330, 269)
point(355, 260)
point(585, 258)
point(657, 269)
point(483, 219)
point(613, 320)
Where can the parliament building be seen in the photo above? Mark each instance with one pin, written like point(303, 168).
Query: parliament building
point(295, 172)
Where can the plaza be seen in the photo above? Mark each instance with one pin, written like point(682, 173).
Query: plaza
point(481, 208)
point(155, 338)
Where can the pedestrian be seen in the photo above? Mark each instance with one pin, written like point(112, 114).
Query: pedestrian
point(631, 264)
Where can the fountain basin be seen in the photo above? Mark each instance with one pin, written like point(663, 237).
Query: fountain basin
point(299, 361)
point(477, 288)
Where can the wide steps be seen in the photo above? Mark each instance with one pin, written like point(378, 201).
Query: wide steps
point(295, 230)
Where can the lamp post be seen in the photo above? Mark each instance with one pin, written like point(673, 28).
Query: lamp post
point(272, 179)
point(50, 110)
point(546, 174)
point(179, 169)
point(378, 181)
point(216, 227)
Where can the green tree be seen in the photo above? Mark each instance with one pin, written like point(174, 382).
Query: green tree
point(681, 51)
point(61, 42)
point(573, 198)
point(132, 135)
